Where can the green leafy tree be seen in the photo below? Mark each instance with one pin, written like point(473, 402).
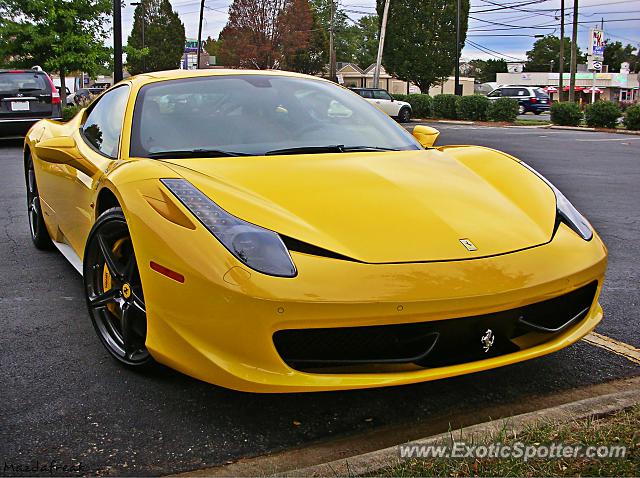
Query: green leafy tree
point(546, 50)
point(484, 71)
point(164, 38)
point(615, 54)
point(420, 42)
point(60, 36)
point(212, 47)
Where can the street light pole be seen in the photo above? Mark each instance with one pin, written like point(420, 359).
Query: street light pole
point(457, 74)
point(383, 29)
point(332, 53)
point(574, 56)
point(117, 41)
point(561, 65)
point(200, 34)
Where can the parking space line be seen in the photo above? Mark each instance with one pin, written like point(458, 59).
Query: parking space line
point(619, 348)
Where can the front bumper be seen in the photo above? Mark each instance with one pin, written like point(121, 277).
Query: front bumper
point(218, 325)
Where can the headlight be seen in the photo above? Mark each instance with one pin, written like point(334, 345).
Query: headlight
point(568, 213)
point(255, 246)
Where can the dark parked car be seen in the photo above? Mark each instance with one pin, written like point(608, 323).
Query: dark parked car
point(529, 98)
point(26, 96)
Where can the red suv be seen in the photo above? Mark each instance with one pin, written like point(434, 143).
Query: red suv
point(26, 96)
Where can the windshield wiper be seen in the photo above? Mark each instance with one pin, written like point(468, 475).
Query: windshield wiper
point(331, 148)
point(193, 153)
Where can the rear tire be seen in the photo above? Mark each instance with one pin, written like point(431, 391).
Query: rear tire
point(404, 116)
point(37, 226)
point(521, 110)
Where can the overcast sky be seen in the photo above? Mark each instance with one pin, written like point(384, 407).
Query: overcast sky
point(491, 28)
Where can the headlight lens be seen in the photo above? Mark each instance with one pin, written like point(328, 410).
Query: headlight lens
point(255, 246)
point(568, 213)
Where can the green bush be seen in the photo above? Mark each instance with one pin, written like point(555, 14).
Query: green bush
point(566, 114)
point(503, 109)
point(632, 117)
point(472, 107)
point(69, 112)
point(420, 105)
point(602, 114)
point(445, 106)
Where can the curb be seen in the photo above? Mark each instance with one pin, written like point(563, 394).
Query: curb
point(377, 460)
point(542, 126)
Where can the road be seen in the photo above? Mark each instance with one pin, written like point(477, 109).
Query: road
point(63, 398)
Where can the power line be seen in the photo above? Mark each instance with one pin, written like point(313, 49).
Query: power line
point(492, 52)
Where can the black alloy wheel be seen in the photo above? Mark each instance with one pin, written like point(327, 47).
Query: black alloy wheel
point(113, 290)
point(39, 233)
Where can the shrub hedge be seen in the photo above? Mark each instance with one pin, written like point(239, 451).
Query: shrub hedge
point(632, 117)
point(445, 106)
point(69, 112)
point(472, 108)
point(565, 114)
point(602, 114)
point(420, 104)
point(503, 109)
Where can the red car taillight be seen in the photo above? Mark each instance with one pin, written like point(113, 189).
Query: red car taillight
point(55, 96)
point(533, 99)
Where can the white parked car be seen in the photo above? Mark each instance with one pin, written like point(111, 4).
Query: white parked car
point(399, 110)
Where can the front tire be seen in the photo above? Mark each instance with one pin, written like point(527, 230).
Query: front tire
point(39, 233)
point(113, 291)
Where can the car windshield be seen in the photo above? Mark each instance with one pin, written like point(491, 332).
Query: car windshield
point(256, 114)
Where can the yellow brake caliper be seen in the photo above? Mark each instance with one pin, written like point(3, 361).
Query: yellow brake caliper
point(107, 282)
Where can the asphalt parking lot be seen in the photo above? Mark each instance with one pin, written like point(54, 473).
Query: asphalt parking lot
point(63, 398)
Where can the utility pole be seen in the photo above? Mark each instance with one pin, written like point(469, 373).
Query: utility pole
point(383, 29)
point(574, 58)
point(457, 74)
point(117, 42)
point(332, 53)
point(561, 65)
point(200, 34)
point(144, 20)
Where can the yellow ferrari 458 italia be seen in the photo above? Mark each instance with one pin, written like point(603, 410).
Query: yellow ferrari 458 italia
point(274, 232)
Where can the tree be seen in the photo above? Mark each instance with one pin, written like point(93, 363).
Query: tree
point(484, 71)
point(164, 38)
point(420, 42)
point(615, 54)
point(212, 47)
point(252, 34)
point(547, 49)
point(312, 57)
point(60, 36)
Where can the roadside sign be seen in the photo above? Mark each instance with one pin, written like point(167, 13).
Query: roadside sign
point(596, 44)
point(594, 65)
point(340, 79)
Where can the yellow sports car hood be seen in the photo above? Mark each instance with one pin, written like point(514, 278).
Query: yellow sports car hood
point(384, 207)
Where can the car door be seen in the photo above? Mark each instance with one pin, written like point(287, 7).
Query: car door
point(383, 100)
point(71, 192)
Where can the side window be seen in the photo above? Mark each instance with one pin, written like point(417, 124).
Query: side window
point(365, 93)
point(381, 95)
point(104, 124)
point(523, 92)
point(495, 94)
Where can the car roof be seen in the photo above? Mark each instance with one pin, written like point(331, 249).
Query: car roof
point(183, 74)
